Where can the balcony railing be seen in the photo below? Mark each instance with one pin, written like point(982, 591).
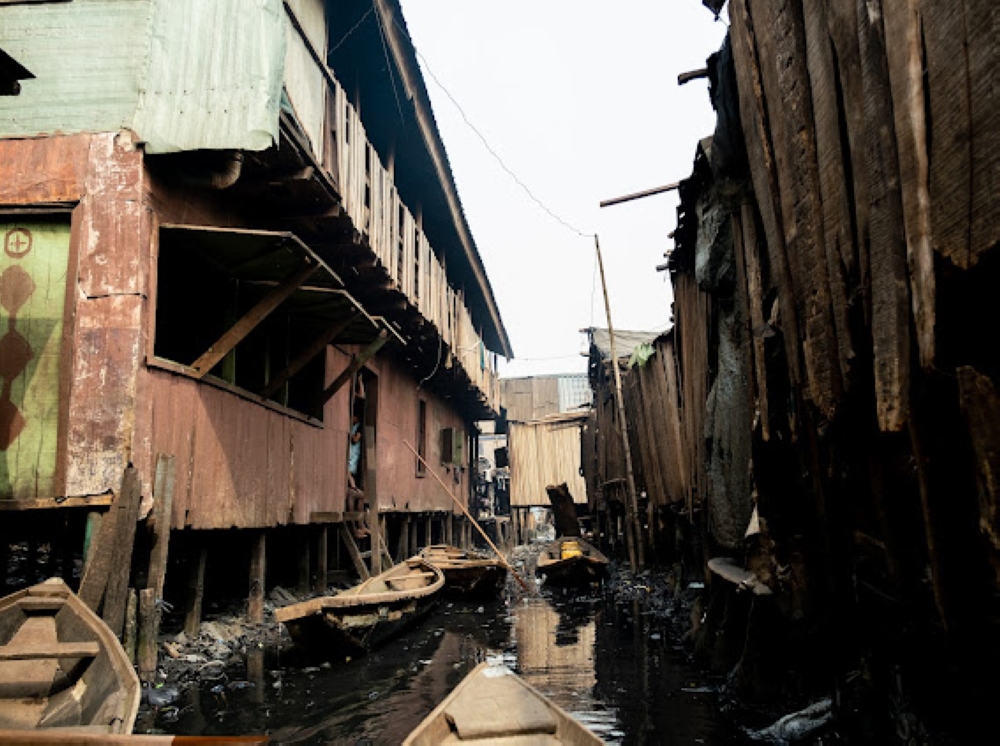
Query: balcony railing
point(370, 198)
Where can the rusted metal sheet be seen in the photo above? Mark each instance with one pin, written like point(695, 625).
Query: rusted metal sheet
point(44, 170)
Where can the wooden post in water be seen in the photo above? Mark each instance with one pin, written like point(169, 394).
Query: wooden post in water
point(322, 559)
point(305, 563)
point(149, 625)
point(371, 497)
point(258, 571)
point(449, 529)
point(196, 592)
point(633, 532)
point(414, 544)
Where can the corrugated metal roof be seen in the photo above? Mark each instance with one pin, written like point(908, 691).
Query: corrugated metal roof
point(183, 74)
point(214, 76)
point(88, 58)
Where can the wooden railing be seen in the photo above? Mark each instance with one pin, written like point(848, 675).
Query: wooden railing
point(370, 198)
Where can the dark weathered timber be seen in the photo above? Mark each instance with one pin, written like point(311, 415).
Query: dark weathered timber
point(116, 594)
point(196, 592)
point(258, 572)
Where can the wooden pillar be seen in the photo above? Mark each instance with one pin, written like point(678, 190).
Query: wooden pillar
point(371, 497)
point(429, 535)
point(119, 551)
point(131, 625)
point(305, 563)
point(322, 560)
point(449, 529)
point(258, 571)
point(413, 528)
point(90, 532)
point(163, 501)
point(255, 673)
point(196, 592)
point(149, 625)
point(403, 547)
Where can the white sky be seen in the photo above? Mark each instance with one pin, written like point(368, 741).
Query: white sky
point(580, 100)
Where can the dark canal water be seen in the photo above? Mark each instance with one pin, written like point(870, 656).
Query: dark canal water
point(613, 665)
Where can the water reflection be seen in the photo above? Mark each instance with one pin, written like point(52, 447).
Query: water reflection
point(610, 665)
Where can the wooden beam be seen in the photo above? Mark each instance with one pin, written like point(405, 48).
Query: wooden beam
point(48, 503)
point(258, 571)
point(149, 626)
point(238, 331)
point(640, 195)
point(315, 348)
point(350, 370)
point(692, 75)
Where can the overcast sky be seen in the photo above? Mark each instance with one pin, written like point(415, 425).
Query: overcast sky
point(580, 100)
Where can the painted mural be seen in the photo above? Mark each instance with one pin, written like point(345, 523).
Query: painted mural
point(33, 269)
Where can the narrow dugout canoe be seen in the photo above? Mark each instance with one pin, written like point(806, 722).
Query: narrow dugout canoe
point(61, 667)
point(467, 575)
point(492, 705)
point(368, 614)
point(571, 561)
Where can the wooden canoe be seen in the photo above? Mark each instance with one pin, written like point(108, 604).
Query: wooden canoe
point(60, 665)
point(492, 705)
point(571, 561)
point(467, 575)
point(368, 614)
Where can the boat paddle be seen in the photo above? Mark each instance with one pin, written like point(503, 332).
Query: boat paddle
point(469, 516)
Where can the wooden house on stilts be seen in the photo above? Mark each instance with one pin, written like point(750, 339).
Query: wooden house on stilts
point(228, 228)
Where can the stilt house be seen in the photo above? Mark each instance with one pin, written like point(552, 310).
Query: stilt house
point(228, 227)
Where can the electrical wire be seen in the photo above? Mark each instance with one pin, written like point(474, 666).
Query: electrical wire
point(436, 365)
point(487, 145)
point(352, 30)
point(388, 64)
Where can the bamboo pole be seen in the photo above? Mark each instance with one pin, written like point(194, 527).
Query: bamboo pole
point(469, 516)
point(633, 533)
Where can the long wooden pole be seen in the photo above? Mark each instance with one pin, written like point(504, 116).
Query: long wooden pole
point(633, 532)
point(469, 516)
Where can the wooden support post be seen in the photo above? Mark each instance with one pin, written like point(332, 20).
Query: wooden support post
point(449, 529)
point(119, 551)
point(305, 565)
point(413, 528)
point(149, 625)
point(90, 532)
point(403, 548)
point(196, 592)
point(238, 331)
point(322, 560)
point(371, 498)
point(255, 673)
point(354, 552)
point(428, 531)
point(163, 501)
point(131, 620)
point(258, 573)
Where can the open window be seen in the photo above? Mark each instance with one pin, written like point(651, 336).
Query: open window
point(253, 310)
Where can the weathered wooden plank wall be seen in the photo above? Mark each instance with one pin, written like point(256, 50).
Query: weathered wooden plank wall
point(544, 453)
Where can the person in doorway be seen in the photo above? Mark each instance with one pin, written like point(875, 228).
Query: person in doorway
point(355, 497)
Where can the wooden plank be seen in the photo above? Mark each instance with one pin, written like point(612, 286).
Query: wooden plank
point(22, 652)
point(355, 554)
point(252, 318)
point(196, 593)
point(129, 638)
point(258, 570)
point(163, 496)
point(317, 346)
point(49, 503)
point(353, 367)
point(890, 301)
point(123, 539)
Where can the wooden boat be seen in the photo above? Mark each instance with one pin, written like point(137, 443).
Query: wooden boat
point(60, 737)
point(368, 614)
point(467, 575)
point(571, 561)
point(492, 705)
point(61, 667)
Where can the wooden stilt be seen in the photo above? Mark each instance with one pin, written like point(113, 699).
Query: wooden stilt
point(196, 592)
point(403, 547)
point(258, 571)
point(118, 551)
point(371, 497)
point(255, 673)
point(449, 529)
point(131, 620)
point(90, 532)
point(305, 565)
point(429, 531)
point(322, 560)
point(163, 501)
point(149, 625)
point(412, 526)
